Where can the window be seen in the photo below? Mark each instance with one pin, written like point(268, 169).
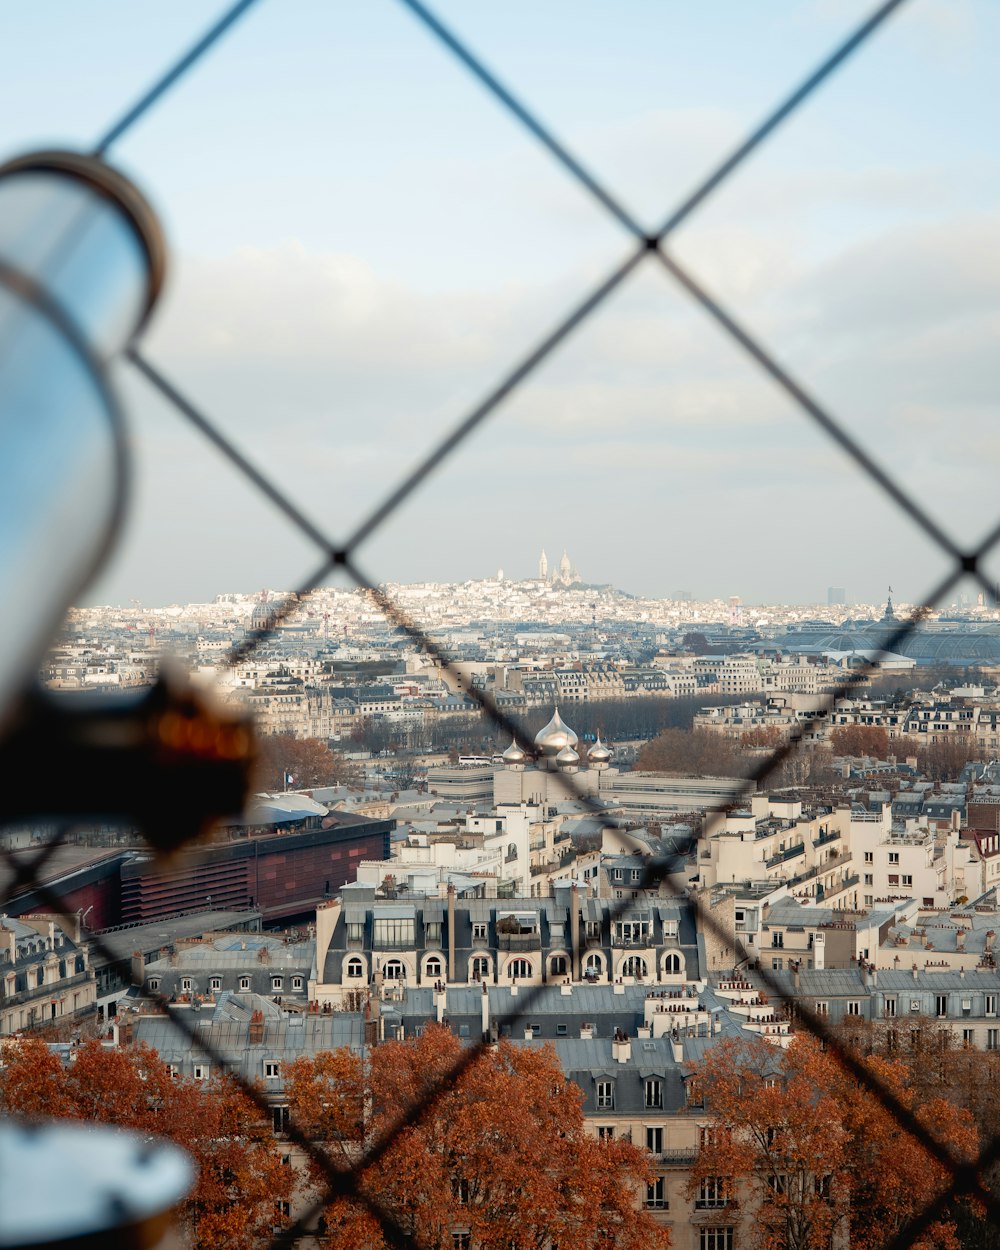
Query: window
point(894, 878)
point(993, 1039)
point(461, 1241)
point(394, 970)
point(654, 1092)
point(716, 1239)
point(634, 966)
point(244, 983)
point(480, 968)
point(354, 969)
point(558, 966)
point(605, 1094)
point(479, 930)
point(460, 1189)
point(396, 933)
point(296, 983)
point(154, 984)
point(991, 1004)
point(276, 985)
point(869, 857)
point(869, 878)
point(778, 939)
point(968, 1038)
point(654, 1140)
point(890, 1007)
point(201, 1071)
point(777, 964)
point(519, 968)
point(854, 1008)
point(907, 878)
point(593, 929)
point(941, 1004)
point(655, 1196)
point(185, 984)
point(672, 963)
point(433, 967)
point(823, 1185)
point(432, 932)
point(822, 1009)
point(605, 1132)
point(272, 1069)
point(279, 1119)
point(174, 1070)
point(712, 1192)
point(561, 1030)
point(282, 1207)
point(894, 857)
point(215, 984)
point(636, 874)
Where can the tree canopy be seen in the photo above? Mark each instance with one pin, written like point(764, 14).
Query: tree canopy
point(502, 1153)
point(309, 761)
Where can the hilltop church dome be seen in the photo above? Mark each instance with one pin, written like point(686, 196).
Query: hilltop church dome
point(567, 758)
point(555, 736)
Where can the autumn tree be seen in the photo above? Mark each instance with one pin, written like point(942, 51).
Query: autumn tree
point(819, 1154)
point(500, 1152)
point(859, 740)
point(308, 760)
point(697, 752)
point(762, 737)
point(240, 1176)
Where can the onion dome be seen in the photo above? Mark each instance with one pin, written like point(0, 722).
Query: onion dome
point(599, 753)
point(514, 754)
point(555, 736)
point(567, 758)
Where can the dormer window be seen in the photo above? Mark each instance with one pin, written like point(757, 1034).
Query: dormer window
point(606, 1095)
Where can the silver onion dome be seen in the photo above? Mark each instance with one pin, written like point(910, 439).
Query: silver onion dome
point(514, 754)
point(567, 758)
point(555, 736)
point(599, 753)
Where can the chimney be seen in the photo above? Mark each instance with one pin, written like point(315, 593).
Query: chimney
point(960, 940)
point(256, 1033)
point(914, 972)
point(440, 1003)
point(621, 1047)
point(451, 934)
point(485, 1005)
point(138, 968)
point(677, 1046)
point(586, 1032)
point(988, 942)
point(574, 928)
point(796, 976)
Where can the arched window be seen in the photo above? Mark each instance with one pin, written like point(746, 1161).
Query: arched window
point(519, 968)
point(594, 965)
point(394, 969)
point(558, 966)
point(480, 968)
point(433, 968)
point(634, 966)
point(511, 851)
point(672, 963)
point(355, 968)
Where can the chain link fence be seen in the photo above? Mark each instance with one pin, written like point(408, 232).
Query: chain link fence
point(647, 248)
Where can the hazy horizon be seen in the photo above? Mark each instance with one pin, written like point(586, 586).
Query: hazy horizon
point(363, 243)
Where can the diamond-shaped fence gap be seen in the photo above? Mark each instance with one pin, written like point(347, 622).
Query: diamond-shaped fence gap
point(858, 248)
point(722, 471)
point(632, 92)
point(195, 526)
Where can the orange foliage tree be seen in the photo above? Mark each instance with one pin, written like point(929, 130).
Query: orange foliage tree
point(816, 1155)
point(502, 1154)
point(859, 740)
point(240, 1174)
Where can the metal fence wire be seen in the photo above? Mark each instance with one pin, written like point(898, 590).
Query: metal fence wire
point(646, 248)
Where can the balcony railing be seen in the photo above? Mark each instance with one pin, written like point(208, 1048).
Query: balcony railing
point(782, 856)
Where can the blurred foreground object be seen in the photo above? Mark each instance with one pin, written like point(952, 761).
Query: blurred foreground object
point(76, 1186)
point(166, 760)
point(81, 263)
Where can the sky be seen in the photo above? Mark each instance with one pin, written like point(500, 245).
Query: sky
point(363, 243)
